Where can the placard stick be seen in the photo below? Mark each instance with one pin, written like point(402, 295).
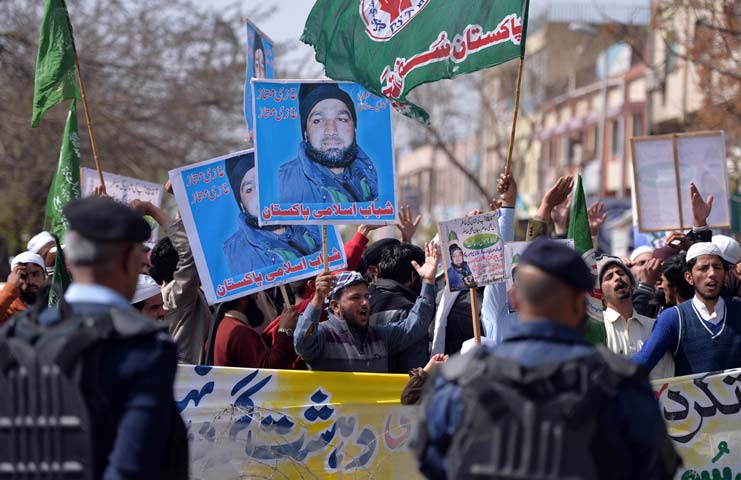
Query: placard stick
point(475, 316)
point(284, 293)
point(679, 186)
point(325, 248)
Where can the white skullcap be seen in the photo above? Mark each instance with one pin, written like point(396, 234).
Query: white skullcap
point(38, 241)
point(730, 250)
point(640, 251)
point(703, 248)
point(471, 342)
point(146, 288)
point(28, 257)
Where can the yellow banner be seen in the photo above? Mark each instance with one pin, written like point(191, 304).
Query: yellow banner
point(295, 424)
point(702, 413)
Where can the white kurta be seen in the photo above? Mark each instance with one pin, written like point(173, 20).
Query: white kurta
point(626, 337)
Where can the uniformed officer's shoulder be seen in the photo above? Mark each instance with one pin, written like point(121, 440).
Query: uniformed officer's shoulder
point(619, 365)
point(465, 367)
point(130, 323)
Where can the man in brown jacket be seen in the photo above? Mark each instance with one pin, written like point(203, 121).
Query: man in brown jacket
point(27, 275)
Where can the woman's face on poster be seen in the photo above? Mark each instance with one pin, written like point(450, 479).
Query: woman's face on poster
point(248, 192)
point(457, 257)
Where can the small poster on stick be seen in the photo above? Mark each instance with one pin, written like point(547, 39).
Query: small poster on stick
point(472, 251)
point(663, 168)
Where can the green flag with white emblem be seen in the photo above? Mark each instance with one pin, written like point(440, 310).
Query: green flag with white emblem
point(392, 46)
point(66, 183)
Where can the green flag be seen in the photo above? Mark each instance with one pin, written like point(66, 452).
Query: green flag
point(60, 279)
point(579, 221)
point(66, 183)
point(55, 65)
point(392, 46)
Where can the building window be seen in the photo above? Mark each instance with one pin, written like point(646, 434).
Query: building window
point(670, 58)
point(616, 138)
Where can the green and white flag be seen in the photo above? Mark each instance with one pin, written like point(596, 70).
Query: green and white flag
point(579, 221)
point(60, 279)
point(55, 79)
point(66, 183)
point(392, 46)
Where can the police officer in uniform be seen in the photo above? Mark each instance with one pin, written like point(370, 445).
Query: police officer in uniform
point(127, 380)
point(543, 403)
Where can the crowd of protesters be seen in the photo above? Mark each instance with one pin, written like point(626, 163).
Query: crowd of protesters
point(671, 310)
point(379, 314)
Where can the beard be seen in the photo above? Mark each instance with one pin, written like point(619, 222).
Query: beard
point(29, 298)
point(252, 221)
point(333, 157)
point(353, 323)
point(708, 297)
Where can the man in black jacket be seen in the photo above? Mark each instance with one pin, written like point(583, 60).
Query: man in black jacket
point(398, 293)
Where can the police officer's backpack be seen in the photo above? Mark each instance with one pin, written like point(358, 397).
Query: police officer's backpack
point(45, 427)
point(550, 422)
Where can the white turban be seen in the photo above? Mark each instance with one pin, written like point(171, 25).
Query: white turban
point(38, 241)
point(640, 251)
point(703, 248)
point(28, 257)
point(730, 250)
point(146, 288)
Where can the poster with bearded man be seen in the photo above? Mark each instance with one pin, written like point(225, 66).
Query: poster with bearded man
point(324, 153)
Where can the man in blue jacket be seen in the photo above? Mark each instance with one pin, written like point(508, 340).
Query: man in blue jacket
point(127, 381)
point(703, 333)
point(330, 166)
point(590, 414)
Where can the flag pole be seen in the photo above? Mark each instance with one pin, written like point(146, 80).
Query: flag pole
point(514, 118)
point(89, 125)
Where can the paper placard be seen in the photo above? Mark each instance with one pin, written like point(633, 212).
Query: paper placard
point(324, 153)
point(472, 251)
point(234, 256)
point(260, 64)
point(664, 166)
point(124, 189)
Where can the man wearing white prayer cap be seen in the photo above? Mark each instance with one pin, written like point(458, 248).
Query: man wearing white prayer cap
point(41, 243)
point(27, 275)
point(638, 259)
point(703, 333)
point(730, 250)
point(148, 298)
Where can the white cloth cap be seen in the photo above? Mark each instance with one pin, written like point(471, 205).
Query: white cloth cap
point(38, 241)
point(146, 288)
point(28, 257)
point(640, 251)
point(730, 250)
point(703, 248)
point(469, 344)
